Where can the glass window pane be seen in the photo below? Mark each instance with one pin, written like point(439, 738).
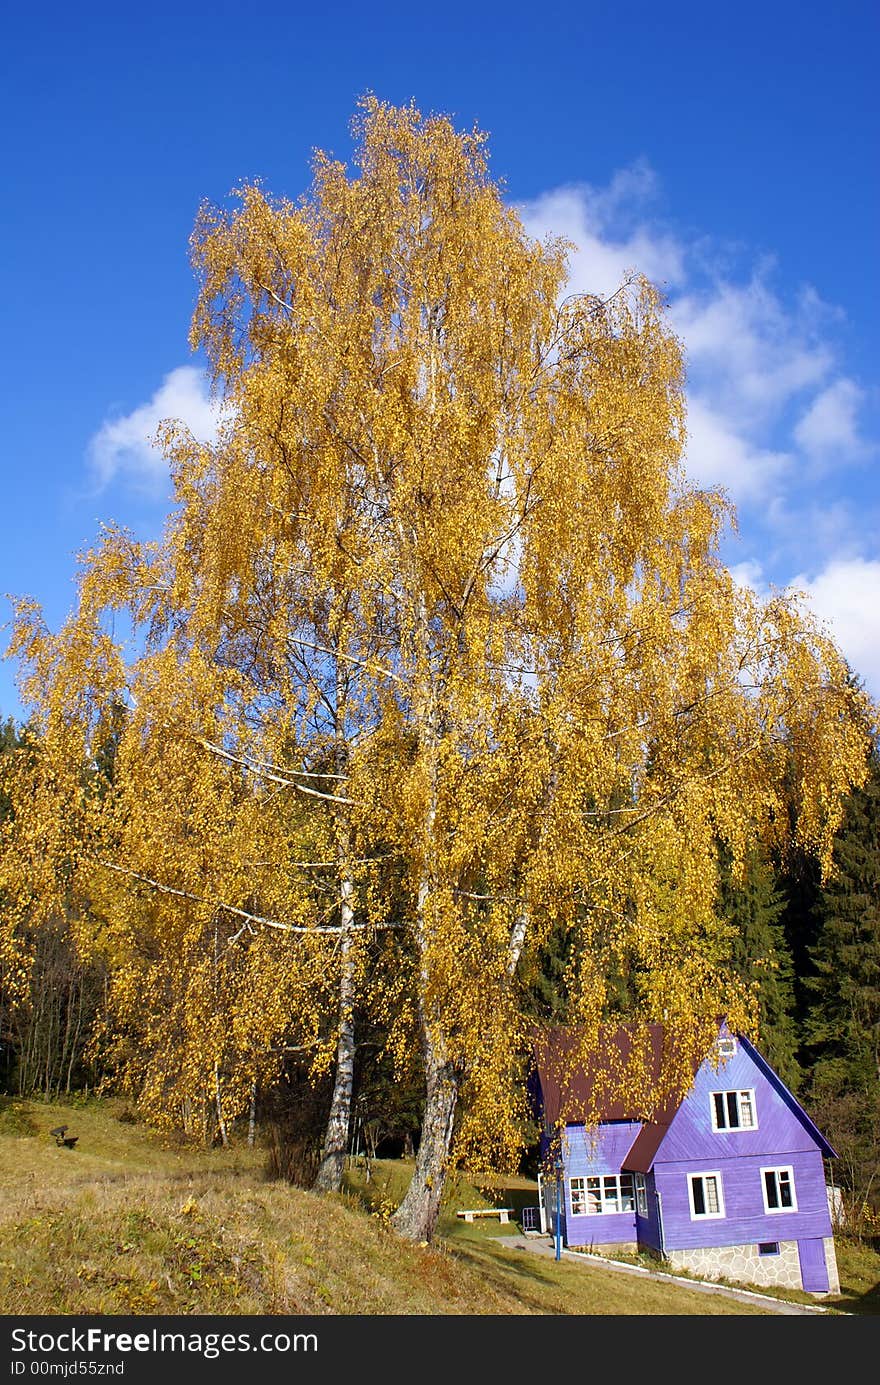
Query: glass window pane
point(712, 1203)
point(770, 1186)
point(699, 1200)
point(720, 1121)
point(746, 1111)
point(785, 1190)
point(732, 1110)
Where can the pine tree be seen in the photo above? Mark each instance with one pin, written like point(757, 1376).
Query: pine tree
point(844, 1025)
point(755, 904)
point(10, 739)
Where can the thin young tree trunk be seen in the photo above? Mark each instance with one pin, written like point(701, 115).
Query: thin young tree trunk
point(252, 1116)
point(221, 1123)
point(75, 1046)
point(517, 938)
point(335, 1147)
point(332, 1165)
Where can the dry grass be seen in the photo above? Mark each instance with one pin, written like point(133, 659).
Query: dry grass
point(129, 1223)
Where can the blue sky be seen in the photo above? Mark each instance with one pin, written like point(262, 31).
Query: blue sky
point(729, 152)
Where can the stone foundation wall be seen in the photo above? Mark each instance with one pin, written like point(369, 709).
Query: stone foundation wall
point(746, 1266)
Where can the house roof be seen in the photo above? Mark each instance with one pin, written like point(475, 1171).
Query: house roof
point(579, 1087)
point(644, 1147)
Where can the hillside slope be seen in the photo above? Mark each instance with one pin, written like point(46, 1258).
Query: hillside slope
point(128, 1223)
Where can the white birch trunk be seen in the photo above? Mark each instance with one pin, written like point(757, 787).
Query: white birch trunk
point(335, 1147)
point(221, 1123)
point(252, 1116)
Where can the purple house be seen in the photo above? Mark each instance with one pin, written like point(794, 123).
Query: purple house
point(727, 1182)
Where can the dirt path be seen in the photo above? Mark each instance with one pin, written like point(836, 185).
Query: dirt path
point(540, 1245)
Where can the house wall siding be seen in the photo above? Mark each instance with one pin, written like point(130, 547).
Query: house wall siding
point(690, 1134)
point(589, 1153)
point(744, 1216)
point(780, 1140)
point(648, 1229)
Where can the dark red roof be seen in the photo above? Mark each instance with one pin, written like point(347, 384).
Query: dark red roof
point(644, 1147)
point(628, 1075)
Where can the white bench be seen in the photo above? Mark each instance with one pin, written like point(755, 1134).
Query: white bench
point(503, 1213)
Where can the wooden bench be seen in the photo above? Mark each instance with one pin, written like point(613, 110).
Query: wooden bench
point(62, 1138)
point(504, 1213)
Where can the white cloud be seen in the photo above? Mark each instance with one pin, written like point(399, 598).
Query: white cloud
point(604, 256)
point(755, 363)
point(717, 455)
point(845, 595)
point(749, 574)
point(829, 427)
point(125, 446)
point(756, 354)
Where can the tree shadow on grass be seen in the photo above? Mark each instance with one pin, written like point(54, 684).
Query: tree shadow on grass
point(512, 1279)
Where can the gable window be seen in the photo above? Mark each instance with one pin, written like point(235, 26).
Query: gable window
point(613, 1192)
point(641, 1195)
point(733, 1110)
point(726, 1047)
point(706, 1196)
point(778, 1188)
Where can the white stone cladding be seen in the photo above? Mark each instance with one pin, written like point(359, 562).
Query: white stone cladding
point(746, 1266)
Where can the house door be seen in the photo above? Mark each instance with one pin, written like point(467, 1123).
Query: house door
point(814, 1271)
point(547, 1205)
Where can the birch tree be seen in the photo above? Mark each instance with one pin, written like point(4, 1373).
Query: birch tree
point(452, 584)
point(575, 702)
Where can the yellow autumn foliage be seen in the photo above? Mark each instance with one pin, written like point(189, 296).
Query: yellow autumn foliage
point(438, 608)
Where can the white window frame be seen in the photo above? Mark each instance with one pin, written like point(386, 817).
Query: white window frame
point(580, 1193)
point(739, 1093)
point(597, 1194)
point(776, 1170)
point(706, 1216)
point(726, 1046)
point(641, 1195)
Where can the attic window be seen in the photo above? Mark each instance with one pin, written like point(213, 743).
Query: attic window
point(726, 1047)
point(734, 1110)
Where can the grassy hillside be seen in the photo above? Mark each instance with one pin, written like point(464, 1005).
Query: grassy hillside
point(127, 1222)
